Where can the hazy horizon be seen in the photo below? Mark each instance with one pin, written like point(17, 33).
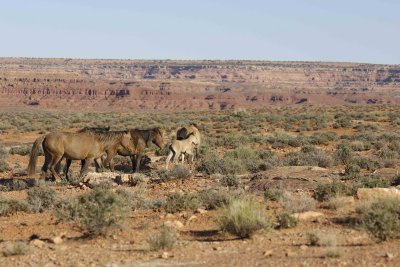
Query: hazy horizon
point(308, 30)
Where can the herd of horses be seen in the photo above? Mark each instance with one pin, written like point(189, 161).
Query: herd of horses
point(100, 145)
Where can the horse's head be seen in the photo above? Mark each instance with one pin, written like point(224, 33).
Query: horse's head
point(157, 138)
point(126, 142)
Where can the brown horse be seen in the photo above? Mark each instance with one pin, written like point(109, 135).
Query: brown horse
point(141, 139)
point(87, 146)
point(39, 141)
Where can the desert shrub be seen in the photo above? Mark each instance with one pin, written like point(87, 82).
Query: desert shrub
point(97, 212)
point(309, 156)
point(299, 203)
point(352, 171)
point(165, 239)
point(273, 194)
point(41, 198)
point(230, 180)
point(3, 163)
point(10, 206)
point(136, 199)
point(180, 172)
point(381, 218)
point(343, 153)
point(177, 202)
point(372, 181)
point(323, 138)
point(366, 163)
point(20, 150)
point(286, 220)
point(324, 192)
point(212, 199)
point(242, 217)
point(15, 248)
point(321, 239)
point(334, 203)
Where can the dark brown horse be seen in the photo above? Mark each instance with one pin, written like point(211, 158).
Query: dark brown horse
point(86, 145)
point(141, 139)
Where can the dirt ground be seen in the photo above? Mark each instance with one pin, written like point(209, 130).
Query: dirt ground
point(199, 241)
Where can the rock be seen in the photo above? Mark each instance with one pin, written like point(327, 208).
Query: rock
point(290, 253)
point(192, 218)
point(37, 243)
point(217, 248)
point(95, 178)
point(169, 216)
point(389, 255)
point(303, 247)
point(56, 240)
point(164, 255)
point(374, 193)
point(268, 253)
point(316, 168)
point(123, 178)
point(308, 216)
point(174, 224)
point(201, 211)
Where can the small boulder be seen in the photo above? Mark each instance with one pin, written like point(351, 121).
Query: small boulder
point(308, 216)
point(174, 224)
point(377, 192)
point(37, 243)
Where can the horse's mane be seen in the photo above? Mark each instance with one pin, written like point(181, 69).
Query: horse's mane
point(107, 137)
point(94, 129)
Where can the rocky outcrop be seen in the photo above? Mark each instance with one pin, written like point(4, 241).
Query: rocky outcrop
point(191, 85)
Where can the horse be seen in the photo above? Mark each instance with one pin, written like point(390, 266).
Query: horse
point(87, 146)
point(186, 131)
point(141, 139)
point(39, 141)
point(182, 147)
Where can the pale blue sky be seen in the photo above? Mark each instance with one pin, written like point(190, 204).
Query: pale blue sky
point(312, 30)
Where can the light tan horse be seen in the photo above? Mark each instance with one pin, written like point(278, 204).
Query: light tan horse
point(85, 146)
point(186, 131)
point(182, 147)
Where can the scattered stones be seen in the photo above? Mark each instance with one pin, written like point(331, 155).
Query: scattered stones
point(37, 243)
point(268, 253)
point(174, 224)
point(201, 211)
point(308, 216)
point(192, 218)
point(165, 255)
point(389, 255)
point(303, 247)
point(94, 178)
point(374, 193)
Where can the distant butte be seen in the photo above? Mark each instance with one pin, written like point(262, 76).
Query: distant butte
point(166, 85)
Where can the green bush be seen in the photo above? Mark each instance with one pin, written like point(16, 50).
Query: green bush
point(177, 202)
point(97, 212)
point(230, 180)
point(20, 150)
point(324, 192)
point(273, 194)
point(165, 239)
point(41, 198)
point(212, 199)
point(309, 156)
point(10, 206)
point(242, 217)
point(382, 218)
point(286, 220)
point(344, 153)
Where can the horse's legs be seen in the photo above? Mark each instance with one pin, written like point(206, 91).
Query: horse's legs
point(85, 166)
point(170, 155)
point(183, 157)
point(133, 160)
point(47, 159)
point(66, 168)
point(99, 164)
point(138, 161)
point(55, 159)
point(108, 160)
point(58, 166)
point(112, 165)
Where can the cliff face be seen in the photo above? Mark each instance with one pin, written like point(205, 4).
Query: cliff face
point(103, 85)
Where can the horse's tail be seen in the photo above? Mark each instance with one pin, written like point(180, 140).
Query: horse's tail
point(33, 156)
